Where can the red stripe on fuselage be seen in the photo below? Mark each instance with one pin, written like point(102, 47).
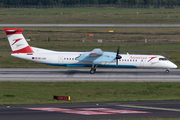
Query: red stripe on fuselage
point(152, 58)
point(27, 49)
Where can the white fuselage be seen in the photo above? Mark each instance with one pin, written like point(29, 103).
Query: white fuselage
point(69, 59)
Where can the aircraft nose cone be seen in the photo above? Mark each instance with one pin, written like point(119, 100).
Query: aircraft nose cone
point(173, 65)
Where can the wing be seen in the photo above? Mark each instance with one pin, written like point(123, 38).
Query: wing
point(97, 56)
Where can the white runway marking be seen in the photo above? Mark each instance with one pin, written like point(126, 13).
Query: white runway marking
point(154, 108)
point(89, 111)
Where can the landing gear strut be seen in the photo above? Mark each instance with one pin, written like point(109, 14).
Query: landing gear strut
point(93, 69)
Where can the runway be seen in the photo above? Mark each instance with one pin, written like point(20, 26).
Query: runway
point(153, 109)
point(89, 25)
point(72, 74)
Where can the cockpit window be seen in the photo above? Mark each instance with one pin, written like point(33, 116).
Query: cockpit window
point(162, 59)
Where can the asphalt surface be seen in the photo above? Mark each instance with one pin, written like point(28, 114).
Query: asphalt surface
point(72, 74)
point(155, 109)
point(89, 25)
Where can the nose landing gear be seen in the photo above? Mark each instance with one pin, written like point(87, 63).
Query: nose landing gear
point(167, 71)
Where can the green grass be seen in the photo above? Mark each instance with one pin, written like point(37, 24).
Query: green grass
point(89, 15)
point(71, 38)
point(90, 45)
point(88, 10)
point(83, 92)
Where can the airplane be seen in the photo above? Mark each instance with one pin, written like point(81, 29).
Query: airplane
point(95, 58)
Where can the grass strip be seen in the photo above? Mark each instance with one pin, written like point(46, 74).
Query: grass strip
point(90, 15)
point(86, 92)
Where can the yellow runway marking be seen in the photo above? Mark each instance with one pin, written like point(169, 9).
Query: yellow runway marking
point(154, 108)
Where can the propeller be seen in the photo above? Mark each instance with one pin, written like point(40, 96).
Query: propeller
point(117, 57)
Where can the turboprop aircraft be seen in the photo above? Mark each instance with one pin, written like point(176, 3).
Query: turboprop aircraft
point(95, 58)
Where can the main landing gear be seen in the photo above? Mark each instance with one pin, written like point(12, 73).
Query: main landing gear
point(93, 69)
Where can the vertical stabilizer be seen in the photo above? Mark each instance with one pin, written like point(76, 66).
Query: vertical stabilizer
point(17, 41)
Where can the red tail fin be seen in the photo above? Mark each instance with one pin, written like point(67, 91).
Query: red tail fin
point(17, 41)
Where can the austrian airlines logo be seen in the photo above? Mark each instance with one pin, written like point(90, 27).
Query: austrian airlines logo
point(16, 40)
point(152, 58)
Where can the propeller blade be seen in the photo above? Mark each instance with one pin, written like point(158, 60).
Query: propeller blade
point(117, 51)
point(116, 62)
point(117, 55)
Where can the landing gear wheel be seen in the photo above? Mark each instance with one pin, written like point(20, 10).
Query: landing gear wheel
point(92, 71)
point(167, 71)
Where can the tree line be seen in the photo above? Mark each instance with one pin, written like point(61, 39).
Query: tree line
point(4, 3)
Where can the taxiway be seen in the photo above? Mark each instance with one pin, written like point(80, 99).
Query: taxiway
point(153, 109)
point(89, 25)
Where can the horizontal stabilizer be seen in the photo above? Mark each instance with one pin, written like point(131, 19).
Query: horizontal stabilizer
point(10, 31)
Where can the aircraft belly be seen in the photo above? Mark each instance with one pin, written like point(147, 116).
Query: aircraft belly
point(90, 65)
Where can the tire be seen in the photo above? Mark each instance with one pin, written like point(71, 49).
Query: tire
point(92, 71)
point(167, 71)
